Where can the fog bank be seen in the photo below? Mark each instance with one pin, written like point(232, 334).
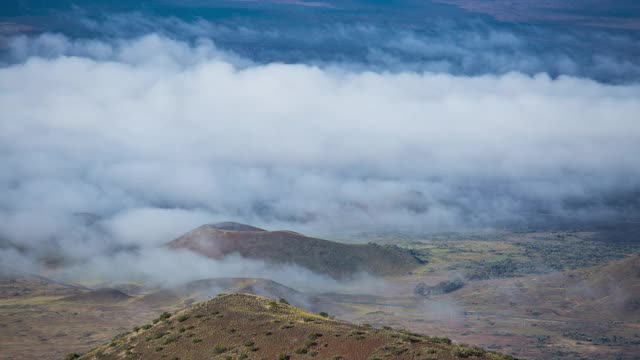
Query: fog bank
point(156, 136)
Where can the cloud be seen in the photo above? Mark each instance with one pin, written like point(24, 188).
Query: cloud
point(157, 136)
point(153, 226)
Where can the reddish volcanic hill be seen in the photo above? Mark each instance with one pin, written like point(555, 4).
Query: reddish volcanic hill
point(241, 326)
point(335, 259)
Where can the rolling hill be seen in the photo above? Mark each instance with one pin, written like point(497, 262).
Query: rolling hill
point(99, 296)
point(201, 290)
point(611, 290)
point(16, 284)
point(605, 292)
point(335, 259)
point(242, 326)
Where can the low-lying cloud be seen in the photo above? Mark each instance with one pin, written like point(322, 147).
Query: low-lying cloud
point(156, 136)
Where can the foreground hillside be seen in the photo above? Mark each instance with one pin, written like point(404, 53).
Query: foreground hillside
point(335, 259)
point(242, 326)
point(41, 318)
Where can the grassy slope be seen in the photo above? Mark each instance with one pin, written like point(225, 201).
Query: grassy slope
point(327, 257)
point(607, 292)
point(242, 326)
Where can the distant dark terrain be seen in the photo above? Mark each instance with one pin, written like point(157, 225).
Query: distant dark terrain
point(455, 37)
point(619, 14)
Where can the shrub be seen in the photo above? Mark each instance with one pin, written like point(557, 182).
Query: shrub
point(195, 341)
point(183, 317)
point(440, 339)
point(71, 356)
point(219, 349)
point(284, 356)
point(442, 287)
point(323, 314)
point(248, 343)
point(165, 315)
point(465, 352)
point(410, 339)
point(302, 350)
point(171, 339)
point(159, 335)
point(129, 355)
point(283, 301)
point(121, 335)
point(159, 348)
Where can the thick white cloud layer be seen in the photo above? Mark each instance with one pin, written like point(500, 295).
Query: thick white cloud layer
point(158, 136)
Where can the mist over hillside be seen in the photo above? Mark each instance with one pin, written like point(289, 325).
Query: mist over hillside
point(160, 117)
point(465, 169)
